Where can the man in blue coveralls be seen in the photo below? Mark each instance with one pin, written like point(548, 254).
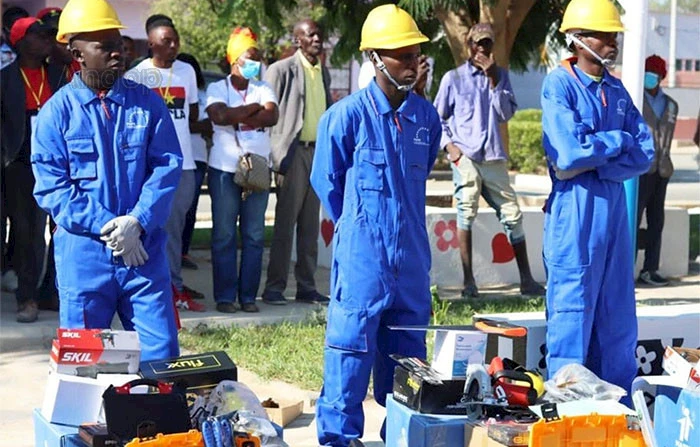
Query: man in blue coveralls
point(594, 139)
point(107, 162)
point(374, 151)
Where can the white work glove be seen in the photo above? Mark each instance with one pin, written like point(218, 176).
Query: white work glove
point(121, 234)
point(136, 257)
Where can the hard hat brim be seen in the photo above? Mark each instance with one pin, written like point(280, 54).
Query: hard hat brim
point(393, 45)
point(63, 38)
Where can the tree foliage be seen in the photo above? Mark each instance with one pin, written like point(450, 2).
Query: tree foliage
point(684, 6)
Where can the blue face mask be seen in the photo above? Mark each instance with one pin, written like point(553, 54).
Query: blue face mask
point(651, 80)
point(250, 69)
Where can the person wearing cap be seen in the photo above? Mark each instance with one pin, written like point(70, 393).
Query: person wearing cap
point(473, 101)
point(594, 139)
point(301, 83)
point(660, 112)
point(25, 87)
point(107, 162)
point(242, 109)
point(9, 17)
point(60, 54)
point(176, 82)
point(374, 151)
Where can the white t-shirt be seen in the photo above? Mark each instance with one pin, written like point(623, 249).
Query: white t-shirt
point(199, 145)
point(226, 150)
point(177, 86)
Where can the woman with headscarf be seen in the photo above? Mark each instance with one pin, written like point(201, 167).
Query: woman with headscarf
point(241, 109)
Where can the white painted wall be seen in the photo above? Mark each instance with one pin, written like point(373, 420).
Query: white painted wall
point(494, 263)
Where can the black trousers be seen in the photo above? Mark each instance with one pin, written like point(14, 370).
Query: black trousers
point(28, 225)
point(652, 195)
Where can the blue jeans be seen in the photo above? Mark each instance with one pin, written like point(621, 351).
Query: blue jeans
point(227, 206)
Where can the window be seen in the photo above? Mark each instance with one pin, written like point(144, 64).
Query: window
point(697, 64)
point(688, 65)
point(679, 64)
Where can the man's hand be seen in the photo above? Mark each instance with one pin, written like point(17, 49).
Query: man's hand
point(488, 65)
point(453, 152)
point(122, 234)
point(136, 257)
point(422, 77)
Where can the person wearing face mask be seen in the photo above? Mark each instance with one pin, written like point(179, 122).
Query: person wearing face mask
point(302, 84)
point(375, 149)
point(660, 112)
point(107, 162)
point(176, 82)
point(473, 101)
point(241, 109)
point(594, 139)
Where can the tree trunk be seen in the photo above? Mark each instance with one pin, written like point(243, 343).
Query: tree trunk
point(456, 25)
point(506, 17)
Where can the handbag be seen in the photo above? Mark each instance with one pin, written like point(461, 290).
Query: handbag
point(130, 416)
point(252, 173)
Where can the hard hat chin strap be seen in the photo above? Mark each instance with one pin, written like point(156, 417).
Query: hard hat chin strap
point(607, 63)
point(381, 66)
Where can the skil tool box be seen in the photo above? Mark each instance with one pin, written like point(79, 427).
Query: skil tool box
point(88, 352)
point(198, 373)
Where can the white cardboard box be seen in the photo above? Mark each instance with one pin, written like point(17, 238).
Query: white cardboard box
point(88, 352)
point(73, 400)
point(454, 350)
point(683, 363)
point(658, 327)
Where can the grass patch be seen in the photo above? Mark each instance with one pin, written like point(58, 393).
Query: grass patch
point(293, 352)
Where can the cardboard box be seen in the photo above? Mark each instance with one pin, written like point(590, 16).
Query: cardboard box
point(477, 436)
point(655, 324)
point(455, 349)
point(73, 400)
point(683, 363)
point(88, 352)
point(288, 411)
point(54, 435)
point(411, 390)
point(199, 373)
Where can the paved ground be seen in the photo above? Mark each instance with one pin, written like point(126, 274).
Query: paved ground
point(25, 348)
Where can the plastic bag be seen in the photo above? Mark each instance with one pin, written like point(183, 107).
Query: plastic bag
point(230, 396)
point(574, 382)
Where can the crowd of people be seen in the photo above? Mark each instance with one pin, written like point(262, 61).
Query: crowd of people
point(113, 149)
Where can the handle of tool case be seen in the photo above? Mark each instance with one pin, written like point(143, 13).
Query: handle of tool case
point(163, 387)
point(499, 327)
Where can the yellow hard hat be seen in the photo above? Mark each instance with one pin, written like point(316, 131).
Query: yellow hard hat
point(591, 15)
point(83, 16)
point(388, 27)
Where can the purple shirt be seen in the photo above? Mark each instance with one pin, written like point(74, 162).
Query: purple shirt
point(471, 111)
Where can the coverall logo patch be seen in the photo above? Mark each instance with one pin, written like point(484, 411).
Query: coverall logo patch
point(621, 106)
point(137, 119)
point(422, 137)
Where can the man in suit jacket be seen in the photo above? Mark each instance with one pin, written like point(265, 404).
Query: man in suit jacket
point(26, 84)
point(302, 84)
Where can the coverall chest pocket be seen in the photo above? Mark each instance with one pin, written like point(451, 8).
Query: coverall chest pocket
point(82, 158)
point(371, 169)
point(417, 168)
point(133, 146)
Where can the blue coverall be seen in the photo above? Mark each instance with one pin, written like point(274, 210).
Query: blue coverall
point(369, 171)
point(594, 134)
point(95, 160)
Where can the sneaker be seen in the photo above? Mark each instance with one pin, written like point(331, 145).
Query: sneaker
point(226, 308)
point(188, 263)
point(274, 298)
point(193, 293)
point(27, 312)
point(653, 279)
point(183, 300)
point(470, 291)
point(9, 281)
point(532, 289)
point(250, 307)
point(312, 297)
